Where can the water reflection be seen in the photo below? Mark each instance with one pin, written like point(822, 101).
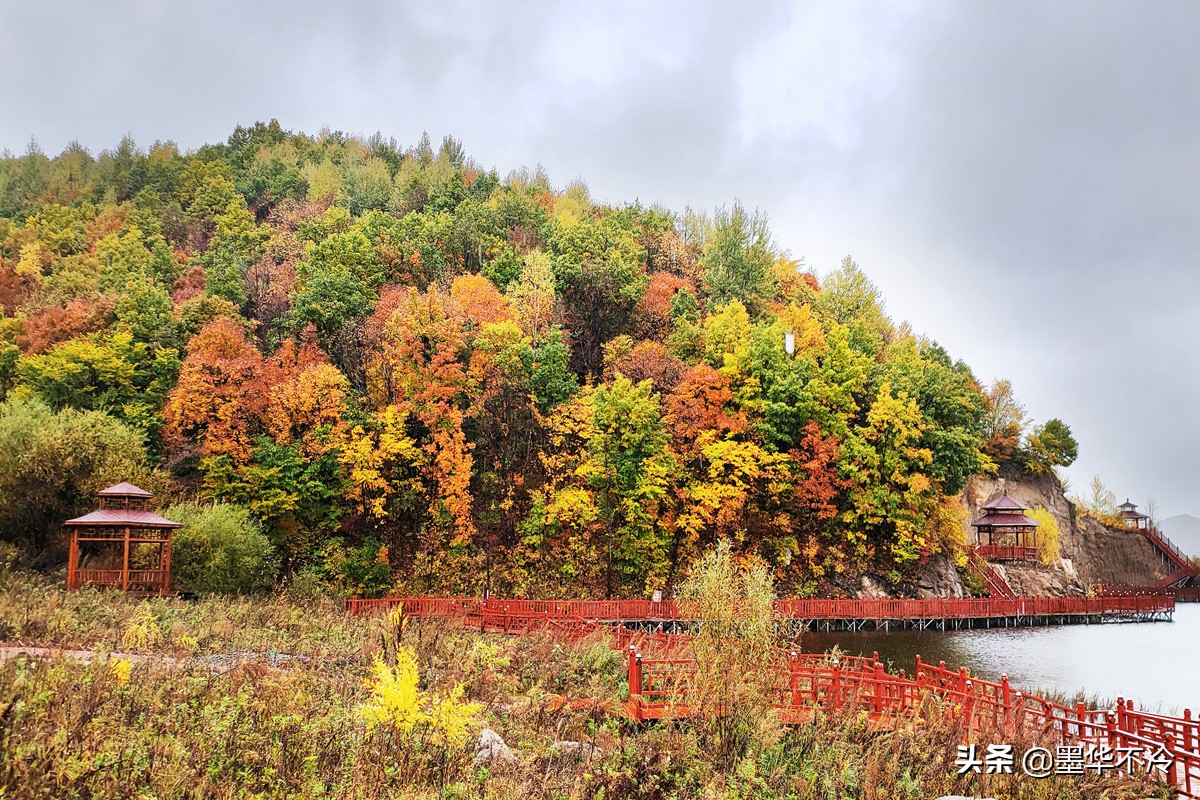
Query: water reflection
point(1154, 663)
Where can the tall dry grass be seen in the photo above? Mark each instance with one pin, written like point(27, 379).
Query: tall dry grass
point(263, 698)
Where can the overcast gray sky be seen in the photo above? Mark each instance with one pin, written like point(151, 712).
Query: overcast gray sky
point(1020, 179)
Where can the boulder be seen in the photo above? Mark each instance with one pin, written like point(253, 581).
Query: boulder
point(490, 747)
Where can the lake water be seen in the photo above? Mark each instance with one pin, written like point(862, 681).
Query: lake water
point(1156, 664)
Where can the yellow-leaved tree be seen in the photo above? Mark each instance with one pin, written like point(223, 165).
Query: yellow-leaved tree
point(1049, 544)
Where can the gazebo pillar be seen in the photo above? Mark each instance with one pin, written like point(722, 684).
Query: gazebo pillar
point(125, 564)
point(73, 562)
point(164, 563)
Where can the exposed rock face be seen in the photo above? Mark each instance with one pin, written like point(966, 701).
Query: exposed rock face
point(1030, 579)
point(871, 589)
point(938, 578)
point(1091, 554)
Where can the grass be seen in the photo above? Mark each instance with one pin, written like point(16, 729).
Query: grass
point(206, 711)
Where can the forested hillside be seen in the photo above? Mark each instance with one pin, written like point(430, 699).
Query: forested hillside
point(402, 367)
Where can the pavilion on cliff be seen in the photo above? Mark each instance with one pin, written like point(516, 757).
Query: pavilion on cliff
point(1010, 535)
point(1132, 517)
point(121, 544)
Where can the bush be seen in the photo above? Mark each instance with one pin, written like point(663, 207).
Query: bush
point(220, 549)
point(361, 571)
point(733, 606)
point(1049, 545)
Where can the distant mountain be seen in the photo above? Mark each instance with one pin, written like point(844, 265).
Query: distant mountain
point(1184, 531)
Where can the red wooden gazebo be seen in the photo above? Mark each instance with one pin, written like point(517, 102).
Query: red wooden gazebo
point(1004, 519)
point(123, 544)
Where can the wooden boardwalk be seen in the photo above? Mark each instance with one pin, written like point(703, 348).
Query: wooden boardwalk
point(811, 614)
point(806, 685)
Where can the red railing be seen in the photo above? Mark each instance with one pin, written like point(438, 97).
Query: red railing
point(667, 688)
point(1008, 552)
point(972, 608)
point(990, 574)
point(996, 583)
point(1168, 548)
point(804, 609)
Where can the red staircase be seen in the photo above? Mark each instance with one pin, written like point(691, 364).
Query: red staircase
point(997, 586)
point(1186, 570)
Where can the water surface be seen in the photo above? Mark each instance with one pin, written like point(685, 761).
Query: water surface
point(1157, 664)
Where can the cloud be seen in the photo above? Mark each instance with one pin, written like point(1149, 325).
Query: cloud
point(1022, 180)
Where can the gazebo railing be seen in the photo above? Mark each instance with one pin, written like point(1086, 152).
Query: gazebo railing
point(113, 577)
point(1007, 552)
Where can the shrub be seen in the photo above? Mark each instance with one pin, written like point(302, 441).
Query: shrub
point(220, 549)
point(361, 571)
point(53, 462)
point(1049, 545)
point(733, 606)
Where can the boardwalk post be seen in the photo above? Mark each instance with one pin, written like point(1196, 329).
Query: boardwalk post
point(877, 694)
point(1081, 716)
point(1177, 770)
point(794, 677)
point(1006, 700)
point(969, 703)
point(835, 686)
point(1189, 730)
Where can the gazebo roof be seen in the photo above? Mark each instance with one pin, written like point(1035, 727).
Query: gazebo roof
point(124, 489)
point(122, 517)
point(1004, 521)
point(1129, 510)
point(1003, 503)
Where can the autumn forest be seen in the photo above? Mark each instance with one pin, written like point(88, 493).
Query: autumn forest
point(356, 366)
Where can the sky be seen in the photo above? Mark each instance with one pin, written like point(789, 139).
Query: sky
point(1021, 180)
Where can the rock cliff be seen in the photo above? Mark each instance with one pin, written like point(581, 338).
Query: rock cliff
point(1091, 553)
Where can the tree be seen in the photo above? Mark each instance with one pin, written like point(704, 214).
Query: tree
point(218, 401)
point(1101, 503)
point(850, 298)
point(738, 258)
point(129, 379)
point(630, 466)
point(950, 401)
point(1003, 421)
point(1048, 537)
point(550, 378)
point(599, 270)
point(533, 294)
point(51, 465)
point(1050, 445)
point(891, 501)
